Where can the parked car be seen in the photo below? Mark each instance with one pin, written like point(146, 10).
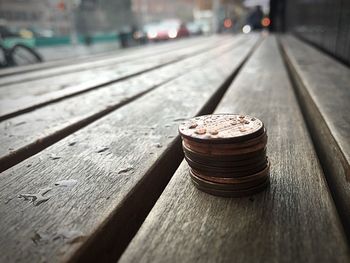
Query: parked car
point(167, 29)
point(194, 28)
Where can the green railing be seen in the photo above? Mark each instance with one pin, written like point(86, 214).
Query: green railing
point(65, 40)
point(10, 42)
point(59, 40)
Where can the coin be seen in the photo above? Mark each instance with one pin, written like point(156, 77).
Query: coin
point(226, 153)
point(221, 128)
point(227, 161)
point(230, 193)
point(233, 171)
point(234, 180)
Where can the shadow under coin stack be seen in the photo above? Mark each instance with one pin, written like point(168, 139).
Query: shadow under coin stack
point(226, 154)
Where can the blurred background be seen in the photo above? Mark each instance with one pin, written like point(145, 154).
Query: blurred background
point(53, 27)
point(57, 29)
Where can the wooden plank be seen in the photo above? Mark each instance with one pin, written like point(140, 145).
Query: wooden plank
point(121, 163)
point(322, 85)
point(29, 133)
point(46, 68)
point(24, 97)
point(293, 220)
point(95, 64)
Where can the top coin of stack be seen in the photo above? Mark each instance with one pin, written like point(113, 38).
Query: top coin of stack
point(226, 154)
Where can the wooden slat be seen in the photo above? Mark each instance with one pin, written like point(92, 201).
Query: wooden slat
point(70, 64)
point(19, 98)
point(96, 64)
point(323, 88)
point(121, 163)
point(293, 220)
point(29, 133)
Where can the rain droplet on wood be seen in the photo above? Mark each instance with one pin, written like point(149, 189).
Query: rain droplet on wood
point(54, 157)
point(19, 123)
point(38, 198)
point(66, 183)
point(103, 150)
point(72, 236)
point(128, 169)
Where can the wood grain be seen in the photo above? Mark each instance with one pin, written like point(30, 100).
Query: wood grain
point(322, 85)
point(27, 134)
point(19, 98)
point(121, 163)
point(293, 220)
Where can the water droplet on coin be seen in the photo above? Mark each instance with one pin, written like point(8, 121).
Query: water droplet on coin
point(213, 132)
point(201, 131)
point(193, 125)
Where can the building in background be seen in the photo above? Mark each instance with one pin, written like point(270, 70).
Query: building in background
point(207, 13)
point(148, 11)
point(96, 16)
point(62, 17)
point(44, 17)
point(89, 17)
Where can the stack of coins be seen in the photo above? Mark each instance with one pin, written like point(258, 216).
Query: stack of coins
point(226, 154)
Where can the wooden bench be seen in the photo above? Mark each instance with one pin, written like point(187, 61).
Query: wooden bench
point(322, 85)
point(96, 149)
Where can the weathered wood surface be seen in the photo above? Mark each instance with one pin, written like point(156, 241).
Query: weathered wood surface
point(66, 65)
point(43, 91)
point(323, 88)
point(121, 163)
point(26, 134)
point(293, 220)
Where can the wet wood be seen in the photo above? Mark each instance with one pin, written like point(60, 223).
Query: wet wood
point(47, 90)
point(322, 85)
point(293, 220)
point(26, 134)
point(120, 164)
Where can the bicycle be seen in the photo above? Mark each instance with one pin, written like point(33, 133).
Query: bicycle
point(17, 55)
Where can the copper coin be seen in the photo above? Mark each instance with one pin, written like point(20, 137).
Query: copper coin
point(225, 157)
point(230, 193)
point(220, 162)
point(249, 143)
point(225, 149)
point(228, 187)
point(237, 171)
point(234, 180)
point(232, 173)
point(221, 128)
